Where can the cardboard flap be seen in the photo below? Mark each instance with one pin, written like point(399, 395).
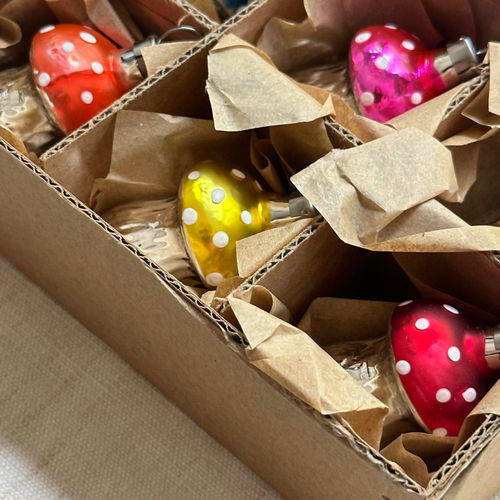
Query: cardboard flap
point(289, 356)
point(246, 90)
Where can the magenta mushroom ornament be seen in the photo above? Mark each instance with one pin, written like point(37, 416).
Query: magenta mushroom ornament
point(445, 364)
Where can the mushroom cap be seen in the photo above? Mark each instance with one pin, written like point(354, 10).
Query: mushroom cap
point(391, 72)
point(219, 205)
point(77, 72)
point(439, 356)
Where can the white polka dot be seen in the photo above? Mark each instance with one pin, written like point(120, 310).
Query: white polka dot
point(238, 173)
point(87, 37)
point(218, 195)
point(363, 37)
point(213, 279)
point(405, 303)
point(451, 309)
point(416, 98)
point(258, 186)
point(220, 239)
point(367, 98)
point(469, 395)
point(454, 353)
point(403, 367)
point(97, 68)
point(192, 176)
point(422, 324)
point(408, 45)
point(87, 97)
point(440, 431)
point(381, 63)
point(68, 47)
point(391, 26)
point(43, 79)
point(246, 217)
point(443, 395)
point(189, 216)
point(47, 28)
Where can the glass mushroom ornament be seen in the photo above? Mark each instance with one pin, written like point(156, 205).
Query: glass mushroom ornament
point(194, 236)
point(74, 74)
point(440, 364)
point(392, 72)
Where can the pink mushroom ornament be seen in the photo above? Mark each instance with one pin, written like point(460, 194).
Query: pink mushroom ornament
point(392, 72)
point(444, 363)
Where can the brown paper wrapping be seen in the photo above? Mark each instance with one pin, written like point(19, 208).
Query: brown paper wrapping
point(259, 297)
point(239, 99)
point(494, 98)
point(290, 357)
point(384, 196)
point(150, 167)
point(419, 454)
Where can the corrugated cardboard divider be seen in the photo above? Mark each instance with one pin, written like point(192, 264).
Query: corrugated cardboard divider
point(189, 355)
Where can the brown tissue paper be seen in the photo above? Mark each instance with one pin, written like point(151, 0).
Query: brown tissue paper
point(334, 321)
point(246, 91)
point(151, 166)
point(384, 196)
point(291, 358)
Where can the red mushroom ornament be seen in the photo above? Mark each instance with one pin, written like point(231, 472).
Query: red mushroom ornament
point(75, 73)
point(79, 73)
point(445, 364)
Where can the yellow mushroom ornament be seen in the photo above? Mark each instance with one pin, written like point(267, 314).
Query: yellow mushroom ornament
point(194, 237)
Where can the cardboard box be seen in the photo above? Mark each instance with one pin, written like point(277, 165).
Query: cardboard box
point(168, 334)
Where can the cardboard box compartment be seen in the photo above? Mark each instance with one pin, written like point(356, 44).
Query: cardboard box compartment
point(186, 349)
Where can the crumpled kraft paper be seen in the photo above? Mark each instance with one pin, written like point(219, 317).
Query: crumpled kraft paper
point(290, 357)
point(494, 98)
point(239, 99)
point(382, 196)
point(419, 454)
point(260, 297)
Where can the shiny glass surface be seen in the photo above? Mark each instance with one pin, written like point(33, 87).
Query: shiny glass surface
point(391, 72)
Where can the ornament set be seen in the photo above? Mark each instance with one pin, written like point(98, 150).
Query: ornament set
point(442, 364)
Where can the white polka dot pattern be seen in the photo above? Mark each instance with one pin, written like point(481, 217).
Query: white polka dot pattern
point(440, 431)
point(218, 195)
point(97, 68)
point(367, 98)
point(88, 37)
point(220, 239)
point(381, 63)
point(454, 353)
point(189, 216)
point(47, 28)
point(416, 98)
point(87, 97)
point(246, 217)
point(68, 47)
point(443, 395)
point(213, 279)
point(238, 173)
point(408, 45)
point(405, 303)
point(422, 324)
point(363, 37)
point(192, 176)
point(403, 367)
point(470, 395)
point(451, 309)
point(43, 79)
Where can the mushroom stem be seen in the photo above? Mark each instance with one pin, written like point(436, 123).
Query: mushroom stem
point(289, 209)
point(492, 347)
